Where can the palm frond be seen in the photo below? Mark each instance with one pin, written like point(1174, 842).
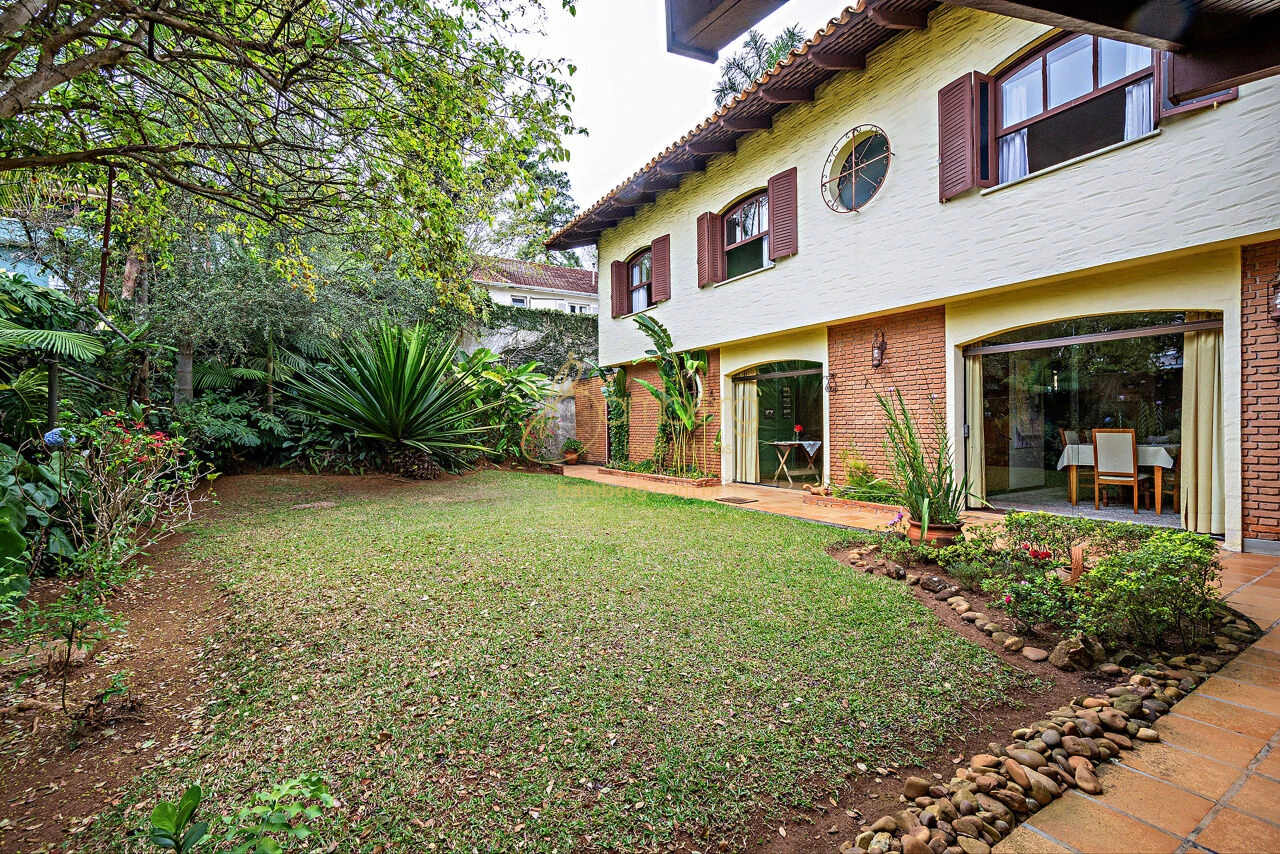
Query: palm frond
point(77, 346)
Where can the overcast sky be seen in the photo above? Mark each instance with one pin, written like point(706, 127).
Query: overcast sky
point(632, 96)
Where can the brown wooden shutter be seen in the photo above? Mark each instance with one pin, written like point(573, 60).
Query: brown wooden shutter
point(957, 161)
point(784, 234)
point(710, 249)
point(619, 290)
point(661, 255)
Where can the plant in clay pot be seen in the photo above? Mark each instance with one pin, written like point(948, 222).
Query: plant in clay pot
point(923, 473)
point(571, 450)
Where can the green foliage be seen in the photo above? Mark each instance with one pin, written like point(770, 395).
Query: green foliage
point(617, 402)
point(221, 428)
point(173, 826)
point(399, 386)
point(862, 484)
point(924, 475)
point(510, 402)
point(1041, 598)
point(565, 343)
point(400, 118)
point(572, 446)
point(279, 817)
point(1164, 586)
point(679, 399)
point(758, 55)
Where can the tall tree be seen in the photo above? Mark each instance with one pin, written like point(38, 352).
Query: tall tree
point(387, 116)
point(757, 56)
point(526, 217)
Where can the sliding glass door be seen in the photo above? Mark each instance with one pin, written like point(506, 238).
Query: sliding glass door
point(778, 424)
point(1034, 398)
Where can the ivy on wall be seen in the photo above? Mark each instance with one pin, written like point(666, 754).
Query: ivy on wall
point(563, 343)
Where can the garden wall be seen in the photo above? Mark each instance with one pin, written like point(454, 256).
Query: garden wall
point(914, 363)
point(591, 418)
point(1260, 391)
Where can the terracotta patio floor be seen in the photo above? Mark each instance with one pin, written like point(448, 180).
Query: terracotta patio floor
point(1213, 782)
point(764, 499)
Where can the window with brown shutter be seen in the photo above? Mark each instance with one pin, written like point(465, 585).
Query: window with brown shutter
point(661, 250)
point(710, 249)
point(618, 288)
point(966, 123)
point(784, 239)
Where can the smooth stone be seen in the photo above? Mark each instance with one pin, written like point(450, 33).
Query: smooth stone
point(1129, 704)
point(1088, 781)
point(1034, 653)
point(885, 824)
point(1014, 644)
point(915, 787)
point(1000, 637)
point(1119, 740)
point(1017, 773)
point(1051, 737)
point(1148, 734)
point(1112, 720)
point(911, 845)
point(968, 826)
point(973, 846)
point(1029, 758)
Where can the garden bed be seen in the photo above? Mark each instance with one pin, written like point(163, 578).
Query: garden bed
point(695, 482)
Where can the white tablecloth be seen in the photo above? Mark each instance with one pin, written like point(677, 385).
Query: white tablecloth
point(1148, 455)
point(810, 448)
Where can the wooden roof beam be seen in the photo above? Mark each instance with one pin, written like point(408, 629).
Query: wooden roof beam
point(832, 61)
point(660, 181)
point(746, 123)
point(899, 19)
point(709, 147)
point(687, 168)
point(787, 94)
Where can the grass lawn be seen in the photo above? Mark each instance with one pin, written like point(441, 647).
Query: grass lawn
point(524, 662)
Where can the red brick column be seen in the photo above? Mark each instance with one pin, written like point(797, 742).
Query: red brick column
point(1260, 391)
point(591, 418)
point(914, 363)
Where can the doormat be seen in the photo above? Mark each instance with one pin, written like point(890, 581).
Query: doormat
point(738, 500)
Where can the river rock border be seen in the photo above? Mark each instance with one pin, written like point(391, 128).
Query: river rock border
point(997, 790)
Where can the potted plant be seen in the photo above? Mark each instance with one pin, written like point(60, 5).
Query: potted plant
point(924, 475)
point(571, 449)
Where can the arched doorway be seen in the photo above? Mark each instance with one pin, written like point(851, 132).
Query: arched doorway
point(778, 423)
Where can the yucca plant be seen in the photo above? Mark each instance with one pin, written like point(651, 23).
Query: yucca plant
point(400, 386)
point(923, 472)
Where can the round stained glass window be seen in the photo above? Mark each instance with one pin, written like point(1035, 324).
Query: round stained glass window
point(856, 169)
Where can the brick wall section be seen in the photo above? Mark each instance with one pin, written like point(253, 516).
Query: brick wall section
point(591, 418)
point(915, 364)
point(1260, 391)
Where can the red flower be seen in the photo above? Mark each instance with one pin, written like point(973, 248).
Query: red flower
point(799, 428)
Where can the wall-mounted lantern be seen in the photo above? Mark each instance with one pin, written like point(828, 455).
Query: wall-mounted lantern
point(829, 383)
point(878, 348)
point(1275, 300)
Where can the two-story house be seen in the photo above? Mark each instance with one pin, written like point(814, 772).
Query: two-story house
point(528, 284)
point(1008, 221)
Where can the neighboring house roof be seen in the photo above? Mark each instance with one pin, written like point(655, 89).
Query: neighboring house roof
point(843, 44)
point(530, 274)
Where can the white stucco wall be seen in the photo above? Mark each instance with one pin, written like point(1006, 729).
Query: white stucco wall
point(1208, 281)
point(1209, 177)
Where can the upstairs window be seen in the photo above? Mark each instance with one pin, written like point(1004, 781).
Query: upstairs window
point(640, 269)
point(1072, 97)
point(519, 302)
point(746, 236)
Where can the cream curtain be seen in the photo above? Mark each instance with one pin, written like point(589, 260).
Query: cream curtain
point(974, 454)
point(1203, 488)
point(746, 432)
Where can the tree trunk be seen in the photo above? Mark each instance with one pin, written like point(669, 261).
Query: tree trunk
point(182, 388)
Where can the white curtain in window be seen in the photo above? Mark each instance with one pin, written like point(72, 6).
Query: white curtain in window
point(1203, 470)
point(1138, 109)
point(746, 432)
point(1013, 156)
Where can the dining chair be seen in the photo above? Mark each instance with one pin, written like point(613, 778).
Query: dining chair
point(1172, 481)
point(1115, 461)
